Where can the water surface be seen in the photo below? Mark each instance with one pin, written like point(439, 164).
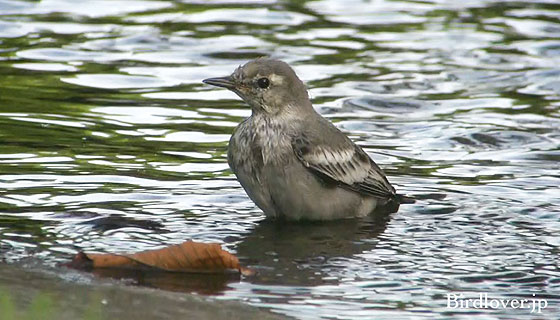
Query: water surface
point(110, 142)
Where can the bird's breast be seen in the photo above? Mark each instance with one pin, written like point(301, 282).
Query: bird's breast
point(273, 140)
point(258, 142)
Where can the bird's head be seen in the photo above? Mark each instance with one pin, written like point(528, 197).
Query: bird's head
point(267, 85)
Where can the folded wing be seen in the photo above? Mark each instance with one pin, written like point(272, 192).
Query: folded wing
point(348, 166)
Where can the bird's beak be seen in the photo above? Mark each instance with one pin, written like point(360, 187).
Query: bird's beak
point(224, 82)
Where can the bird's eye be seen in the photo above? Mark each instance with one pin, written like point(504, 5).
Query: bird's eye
point(263, 83)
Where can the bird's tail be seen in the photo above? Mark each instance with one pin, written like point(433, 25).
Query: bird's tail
point(401, 198)
point(405, 199)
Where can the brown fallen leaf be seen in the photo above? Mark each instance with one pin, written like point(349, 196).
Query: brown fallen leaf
point(189, 256)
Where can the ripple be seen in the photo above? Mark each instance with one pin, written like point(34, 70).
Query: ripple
point(533, 28)
point(173, 49)
point(145, 115)
point(66, 55)
point(212, 95)
point(542, 48)
point(252, 16)
point(192, 136)
point(544, 83)
point(182, 75)
point(115, 81)
point(358, 12)
point(192, 167)
point(91, 8)
point(426, 40)
point(12, 30)
point(397, 106)
point(46, 67)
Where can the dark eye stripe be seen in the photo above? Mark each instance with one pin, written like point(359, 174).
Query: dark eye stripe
point(263, 83)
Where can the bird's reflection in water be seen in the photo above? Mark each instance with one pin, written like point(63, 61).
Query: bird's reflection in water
point(201, 283)
point(284, 253)
point(287, 253)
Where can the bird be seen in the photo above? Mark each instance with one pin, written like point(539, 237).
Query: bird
point(291, 161)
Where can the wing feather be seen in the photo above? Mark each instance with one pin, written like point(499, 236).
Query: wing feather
point(348, 166)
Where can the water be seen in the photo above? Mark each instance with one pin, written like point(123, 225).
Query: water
point(110, 142)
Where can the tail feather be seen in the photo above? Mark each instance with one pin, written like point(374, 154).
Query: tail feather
point(405, 199)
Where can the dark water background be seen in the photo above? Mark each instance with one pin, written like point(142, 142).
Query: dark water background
point(110, 142)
